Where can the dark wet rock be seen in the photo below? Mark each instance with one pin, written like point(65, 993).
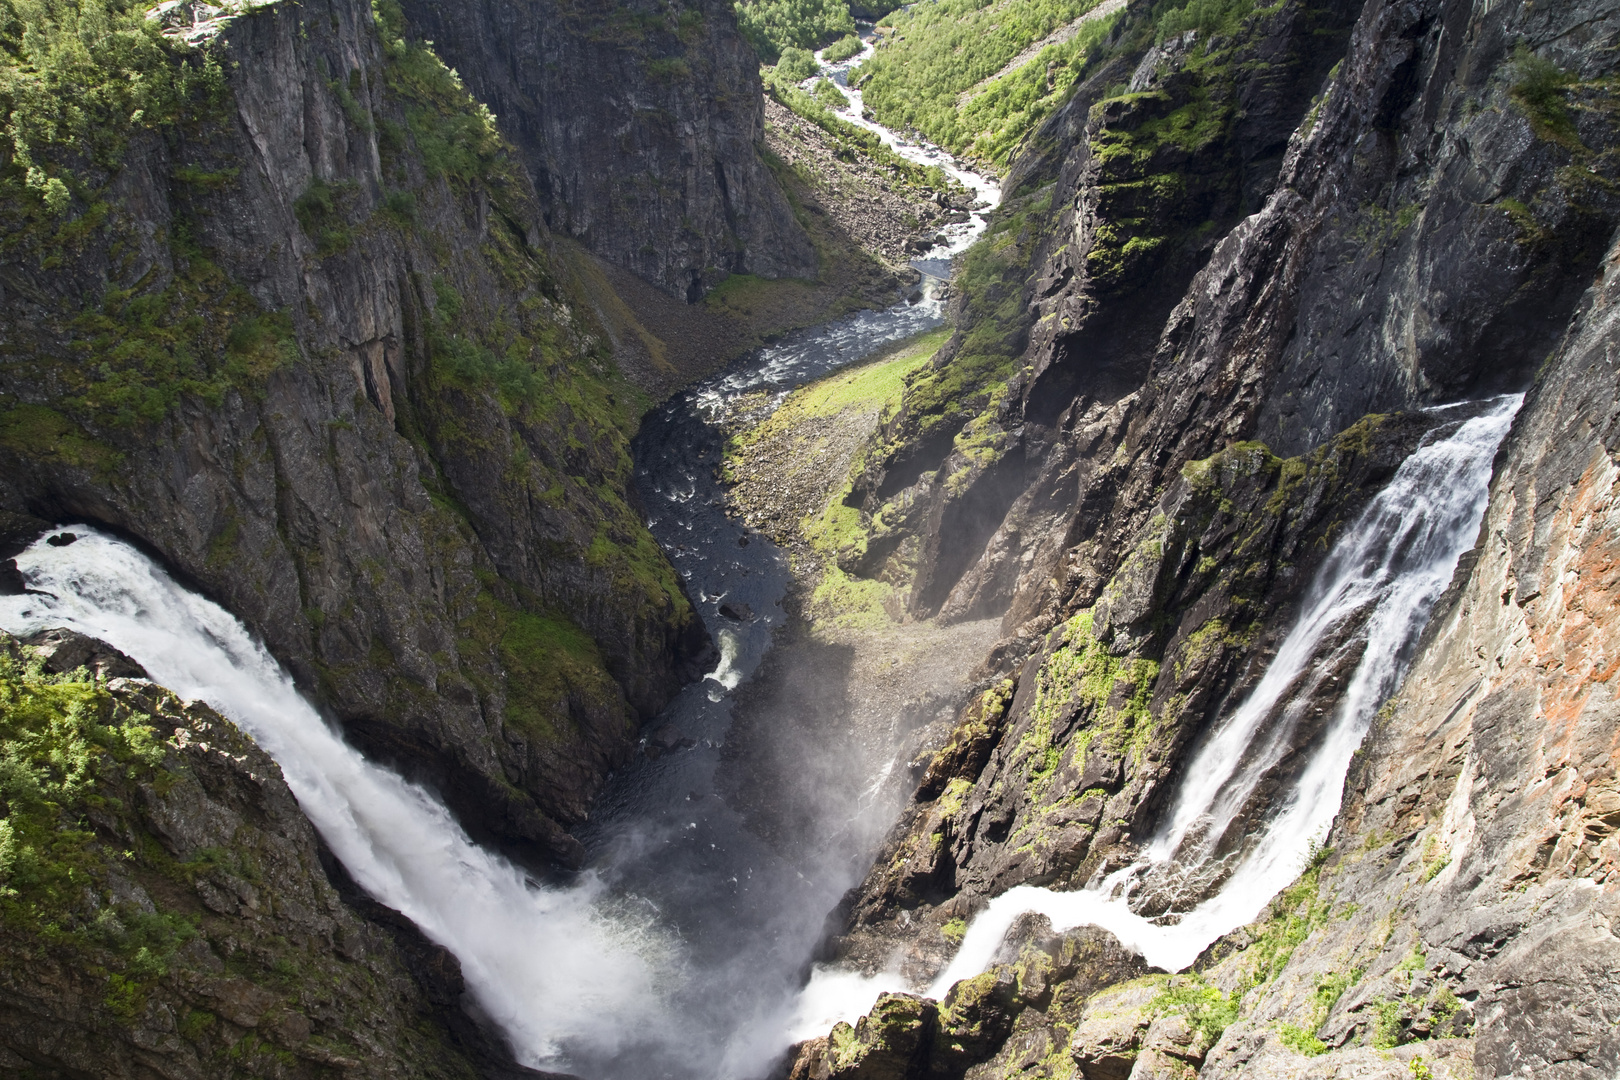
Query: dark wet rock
point(62, 539)
point(667, 739)
point(738, 612)
point(63, 651)
point(641, 125)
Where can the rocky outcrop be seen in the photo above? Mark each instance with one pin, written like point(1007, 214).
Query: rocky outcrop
point(1062, 767)
point(1476, 878)
point(1015, 1019)
point(1431, 234)
point(302, 335)
point(642, 125)
point(185, 925)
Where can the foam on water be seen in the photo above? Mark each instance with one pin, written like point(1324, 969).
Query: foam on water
point(1378, 587)
point(556, 973)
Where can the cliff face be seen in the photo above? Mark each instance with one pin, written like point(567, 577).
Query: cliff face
point(296, 327)
point(1477, 869)
point(185, 926)
point(641, 123)
point(1431, 233)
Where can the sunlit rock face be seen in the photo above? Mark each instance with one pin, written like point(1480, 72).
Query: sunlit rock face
point(1432, 233)
point(641, 123)
point(312, 344)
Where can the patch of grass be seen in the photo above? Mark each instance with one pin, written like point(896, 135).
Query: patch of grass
point(549, 660)
point(46, 435)
point(1208, 1010)
point(843, 602)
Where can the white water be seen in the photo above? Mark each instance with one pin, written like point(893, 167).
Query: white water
point(1376, 590)
point(958, 236)
point(546, 964)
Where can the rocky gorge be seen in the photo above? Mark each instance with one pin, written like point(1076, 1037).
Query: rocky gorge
point(388, 327)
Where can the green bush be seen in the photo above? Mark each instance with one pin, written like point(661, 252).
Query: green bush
point(1539, 89)
point(842, 49)
point(796, 65)
point(773, 25)
point(1208, 17)
point(826, 91)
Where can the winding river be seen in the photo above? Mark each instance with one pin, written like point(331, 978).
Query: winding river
point(685, 949)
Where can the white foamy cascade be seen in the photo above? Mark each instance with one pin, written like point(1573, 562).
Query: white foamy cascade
point(1386, 572)
point(958, 236)
point(1382, 578)
point(544, 963)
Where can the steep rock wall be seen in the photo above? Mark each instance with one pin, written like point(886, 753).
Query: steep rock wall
point(1438, 218)
point(642, 125)
point(1476, 853)
point(186, 925)
point(302, 336)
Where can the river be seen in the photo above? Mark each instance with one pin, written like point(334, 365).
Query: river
point(683, 949)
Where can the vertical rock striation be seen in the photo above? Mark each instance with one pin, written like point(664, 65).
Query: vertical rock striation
point(303, 336)
point(642, 125)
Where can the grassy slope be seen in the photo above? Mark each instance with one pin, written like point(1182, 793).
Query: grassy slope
point(940, 49)
point(805, 448)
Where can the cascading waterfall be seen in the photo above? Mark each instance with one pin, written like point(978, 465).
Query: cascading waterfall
point(1374, 593)
point(546, 964)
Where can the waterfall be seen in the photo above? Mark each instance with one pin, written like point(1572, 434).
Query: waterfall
point(1377, 587)
point(546, 964)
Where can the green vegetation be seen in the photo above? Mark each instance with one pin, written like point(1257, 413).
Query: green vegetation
point(848, 140)
point(795, 66)
point(773, 25)
point(942, 50)
point(1329, 989)
point(1541, 89)
point(877, 385)
point(954, 931)
point(990, 278)
point(1208, 1010)
point(453, 134)
point(842, 49)
point(548, 660)
point(1295, 912)
point(78, 83)
point(78, 80)
point(1080, 673)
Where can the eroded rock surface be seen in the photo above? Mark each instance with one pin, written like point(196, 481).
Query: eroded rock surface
point(184, 923)
point(333, 373)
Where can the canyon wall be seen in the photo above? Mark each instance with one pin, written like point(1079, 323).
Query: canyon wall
point(1200, 334)
point(641, 124)
point(296, 326)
